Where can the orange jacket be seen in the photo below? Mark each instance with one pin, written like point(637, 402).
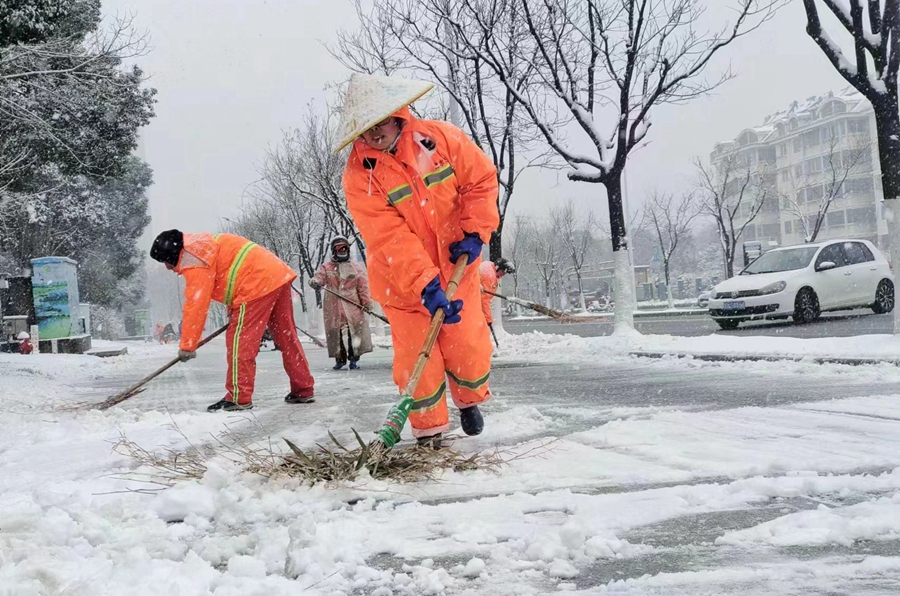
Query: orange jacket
point(489, 281)
point(411, 205)
point(225, 268)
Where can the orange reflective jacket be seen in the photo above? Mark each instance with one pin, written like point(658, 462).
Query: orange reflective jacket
point(225, 268)
point(489, 281)
point(410, 205)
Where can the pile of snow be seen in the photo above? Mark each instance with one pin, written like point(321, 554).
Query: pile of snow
point(565, 347)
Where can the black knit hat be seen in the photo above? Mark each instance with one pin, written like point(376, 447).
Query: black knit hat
point(504, 265)
point(167, 247)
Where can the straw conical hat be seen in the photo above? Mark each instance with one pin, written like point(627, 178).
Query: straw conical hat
point(370, 99)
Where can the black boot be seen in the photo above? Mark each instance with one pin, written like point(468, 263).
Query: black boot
point(353, 365)
point(434, 441)
point(471, 421)
point(338, 365)
point(228, 406)
point(218, 405)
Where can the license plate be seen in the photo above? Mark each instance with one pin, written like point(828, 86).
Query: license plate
point(733, 305)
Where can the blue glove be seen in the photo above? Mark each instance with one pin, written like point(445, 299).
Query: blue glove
point(433, 298)
point(470, 244)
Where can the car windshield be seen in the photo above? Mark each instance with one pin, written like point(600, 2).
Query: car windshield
point(782, 260)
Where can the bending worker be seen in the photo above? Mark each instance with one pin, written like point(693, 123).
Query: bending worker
point(255, 285)
point(422, 195)
point(346, 326)
point(491, 274)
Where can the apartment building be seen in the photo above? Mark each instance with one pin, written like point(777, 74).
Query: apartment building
point(818, 150)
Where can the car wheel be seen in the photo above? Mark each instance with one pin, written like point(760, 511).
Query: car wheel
point(728, 323)
point(884, 297)
point(806, 307)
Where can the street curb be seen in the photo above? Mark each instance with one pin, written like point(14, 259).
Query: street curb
point(603, 317)
point(766, 358)
point(108, 352)
point(675, 313)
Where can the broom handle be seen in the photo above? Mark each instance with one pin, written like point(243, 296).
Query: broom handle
point(130, 392)
point(315, 339)
point(544, 310)
point(357, 305)
point(436, 321)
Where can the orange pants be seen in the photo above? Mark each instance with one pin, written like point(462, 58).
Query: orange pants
point(246, 325)
point(461, 358)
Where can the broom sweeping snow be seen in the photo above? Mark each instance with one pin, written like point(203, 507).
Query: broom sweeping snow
point(389, 434)
point(555, 314)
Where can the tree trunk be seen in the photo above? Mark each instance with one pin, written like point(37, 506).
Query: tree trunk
point(887, 124)
point(580, 291)
point(624, 273)
point(496, 244)
point(668, 286)
point(729, 263)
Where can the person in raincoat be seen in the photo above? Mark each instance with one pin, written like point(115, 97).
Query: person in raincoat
point(346, 326)
point(255, 285)
point(422, 195)
point(491, 274)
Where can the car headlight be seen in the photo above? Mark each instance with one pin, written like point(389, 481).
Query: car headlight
point(774, 288)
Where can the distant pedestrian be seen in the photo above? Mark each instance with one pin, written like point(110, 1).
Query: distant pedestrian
point(491, 274)
point(346, 326)
point(168, 333)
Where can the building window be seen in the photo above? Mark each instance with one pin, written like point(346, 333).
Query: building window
point(768, 231)
point(810, 138)
point(858, 126)
point(859, 186)
point(836, 219)
point(750, 233)
point(862, 159)
point(798, 144)
point(788, 228)
point(863, 216)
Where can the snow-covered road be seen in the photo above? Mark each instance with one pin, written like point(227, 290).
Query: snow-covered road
point(639, 477)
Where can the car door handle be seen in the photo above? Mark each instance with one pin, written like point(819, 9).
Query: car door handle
point(873, 268)
point(848, 273)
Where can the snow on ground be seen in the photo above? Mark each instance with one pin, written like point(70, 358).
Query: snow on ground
point(584, 512)
point(886, 347)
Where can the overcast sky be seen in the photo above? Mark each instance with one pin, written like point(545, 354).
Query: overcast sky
point(232, 74)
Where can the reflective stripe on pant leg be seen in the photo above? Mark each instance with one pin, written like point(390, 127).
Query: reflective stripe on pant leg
point(235, 353)
point(284, 333)
point(474, 384)
point(427, 402)
point(408, 329)
point(467, 348)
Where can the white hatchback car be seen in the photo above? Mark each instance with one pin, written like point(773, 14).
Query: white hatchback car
point(802, 281)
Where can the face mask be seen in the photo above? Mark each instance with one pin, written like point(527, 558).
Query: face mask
point(342, 253)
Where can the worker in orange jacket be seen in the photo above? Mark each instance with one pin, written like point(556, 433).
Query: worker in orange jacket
point(422, 194)
point(255, 285)
point(491, 274)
